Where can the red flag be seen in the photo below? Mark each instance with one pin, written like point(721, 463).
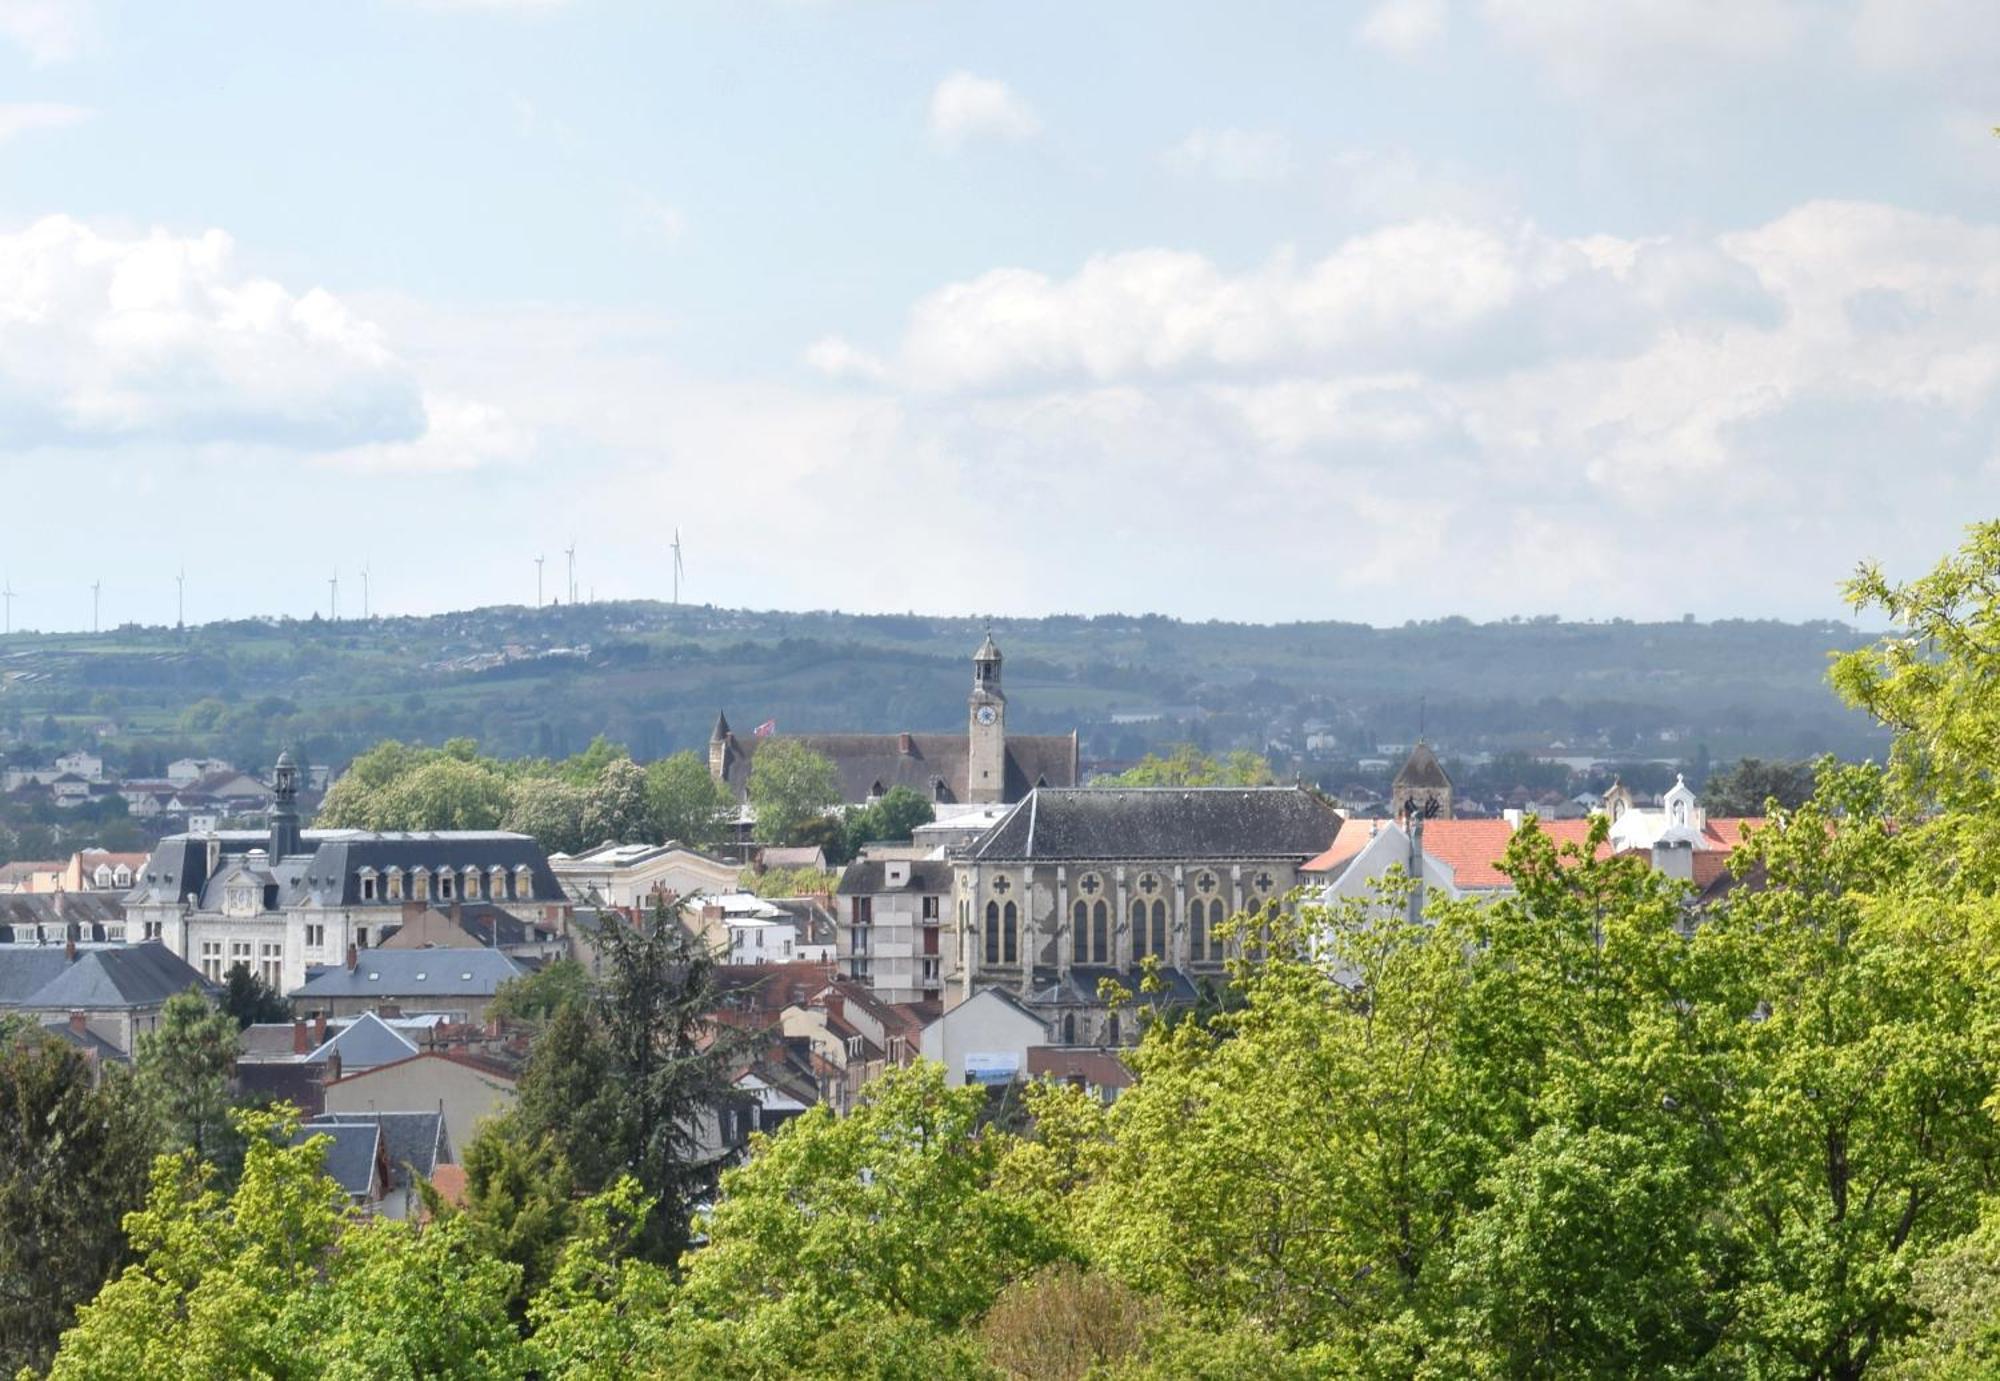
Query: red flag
point(767, 728)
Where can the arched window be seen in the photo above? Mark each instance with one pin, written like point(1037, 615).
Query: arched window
point(1069, 1028)
point(1160, 929)
point(1138, 930)
point(1079, 924)
point(1111, 1030)
point(1010, 921)
point(447, 881)
point(1203, 918)
point(1100, 932)
point(993, 932)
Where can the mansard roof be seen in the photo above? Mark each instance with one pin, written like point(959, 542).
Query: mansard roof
point(871, 763)
point(871, 876)
point(1166, 822)
point(328, 873)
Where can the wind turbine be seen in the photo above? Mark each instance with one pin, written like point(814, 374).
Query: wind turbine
point(180, 598)
point(96, 588)
point(538, 581)
point(679, 570)
point(7, 594)
point(333, 596)
point(570, 552)
point(365, 614)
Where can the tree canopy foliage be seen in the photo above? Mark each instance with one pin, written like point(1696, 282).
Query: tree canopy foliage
point(1186, 765)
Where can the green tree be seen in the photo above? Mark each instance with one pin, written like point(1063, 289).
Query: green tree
point(446, 793)
point(687, 802)
point(891, 1210)
point(790, 786)
point(587, 767)
point(182, 1069)
point(891, 819)
point(1746, 788)
point(73, 1155)
point(617, 806)
point(1186, 765)
point(248, 999)
point(272, 1280)
point(551, 811)
point(537, 996)
point(1958, 1290)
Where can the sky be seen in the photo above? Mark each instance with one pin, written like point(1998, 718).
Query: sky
point(1260, 311)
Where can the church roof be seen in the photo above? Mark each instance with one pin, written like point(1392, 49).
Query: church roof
point(870, 763)
point(989, 651)
point(1197, 822)
point(1423, 770)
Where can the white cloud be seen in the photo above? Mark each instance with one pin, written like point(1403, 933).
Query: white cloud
point(49, 31)
point(1232, 155)
point(1404, 27)
point(1622, 48)
point(107, 338)
point(458, 434)
point(965, 107)
point(20, 117)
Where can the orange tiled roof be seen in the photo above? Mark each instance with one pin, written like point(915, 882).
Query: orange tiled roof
point(1475, 849)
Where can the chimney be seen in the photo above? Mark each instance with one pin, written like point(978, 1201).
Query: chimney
point(69, 948)
point(79, 1023)
point(300, 1046)
point(457, 913)
point(389, 1011)
point(319, 1029)
point(1513, 818)
point(353, 957)
point(1674, 860)
point(413, 911)
point(906, 745)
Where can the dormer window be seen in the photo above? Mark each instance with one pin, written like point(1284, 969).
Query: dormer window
point(395, 876)
point(496, 884)
point(447, 881)
point(421, 881)
point(524, 882)
point(472, 884)
point(368, 884)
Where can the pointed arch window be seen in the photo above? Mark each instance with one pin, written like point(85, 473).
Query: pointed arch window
point(1160, 928)
point(1139, 930)
point(1010, 933)
point(993, 932)
point(1079, 924)
point(1100, 932)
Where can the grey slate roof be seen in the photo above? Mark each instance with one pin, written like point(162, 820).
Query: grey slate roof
point(1197, 823)
point(871, 877)
point(101, 978)
point(351, 1157)
point(364, 1043)
point(866, 761)
point(414, 975)
point(330, 873)
point(23, 915)
point(88, 1041)
point(1423, 770)
point(414, 1142)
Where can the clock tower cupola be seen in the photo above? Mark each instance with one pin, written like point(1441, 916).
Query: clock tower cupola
point(986, 758)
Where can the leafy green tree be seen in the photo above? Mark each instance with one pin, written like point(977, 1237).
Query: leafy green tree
point(550, 810)
point(687, 803)
point(586, 769)
point(73, 1155)
point(273, 1280)
point(537, 996)
point(1746, 788)
point(617, 807)
point(446, 793)
point(1958, 1290)
point(249, 999)
point(567, 1099)
point(790, 785)
point(891, 1210)
point(893, 818)
point(182, 1069)
point(520, 1202)
point(1186, 765)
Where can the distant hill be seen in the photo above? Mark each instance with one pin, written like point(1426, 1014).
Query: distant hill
point(525, 681)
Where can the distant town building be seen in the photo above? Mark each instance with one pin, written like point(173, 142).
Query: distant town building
point(114, 992)
point(284, 902)
point(893, 936)
point(1077, 886)
point(1422, 784)
point(985, 765)
point(632, 875)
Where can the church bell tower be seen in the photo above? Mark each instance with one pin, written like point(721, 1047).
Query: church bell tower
point(986, 758)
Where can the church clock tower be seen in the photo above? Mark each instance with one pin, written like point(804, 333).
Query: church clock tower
point(986, 760)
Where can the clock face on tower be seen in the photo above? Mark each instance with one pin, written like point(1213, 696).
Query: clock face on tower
point(986, 714)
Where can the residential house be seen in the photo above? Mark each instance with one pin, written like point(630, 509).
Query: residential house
point(390, 982)
point(985, 1039)
point(891, 927)
point(382, 1177)
point(113, 991)
point(465, 1089)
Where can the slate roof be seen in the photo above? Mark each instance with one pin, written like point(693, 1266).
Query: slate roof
point(413, 1142)
point(1194, 823)
point(92, 912)
point(1423, 770)
point(868, 878)
point(109, 977)
point(414, 975)
point(364, 1043)
point(85, 1040)
point(866, 762)
point(329, 875)
point(351, 1158)
point(1078, 985)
